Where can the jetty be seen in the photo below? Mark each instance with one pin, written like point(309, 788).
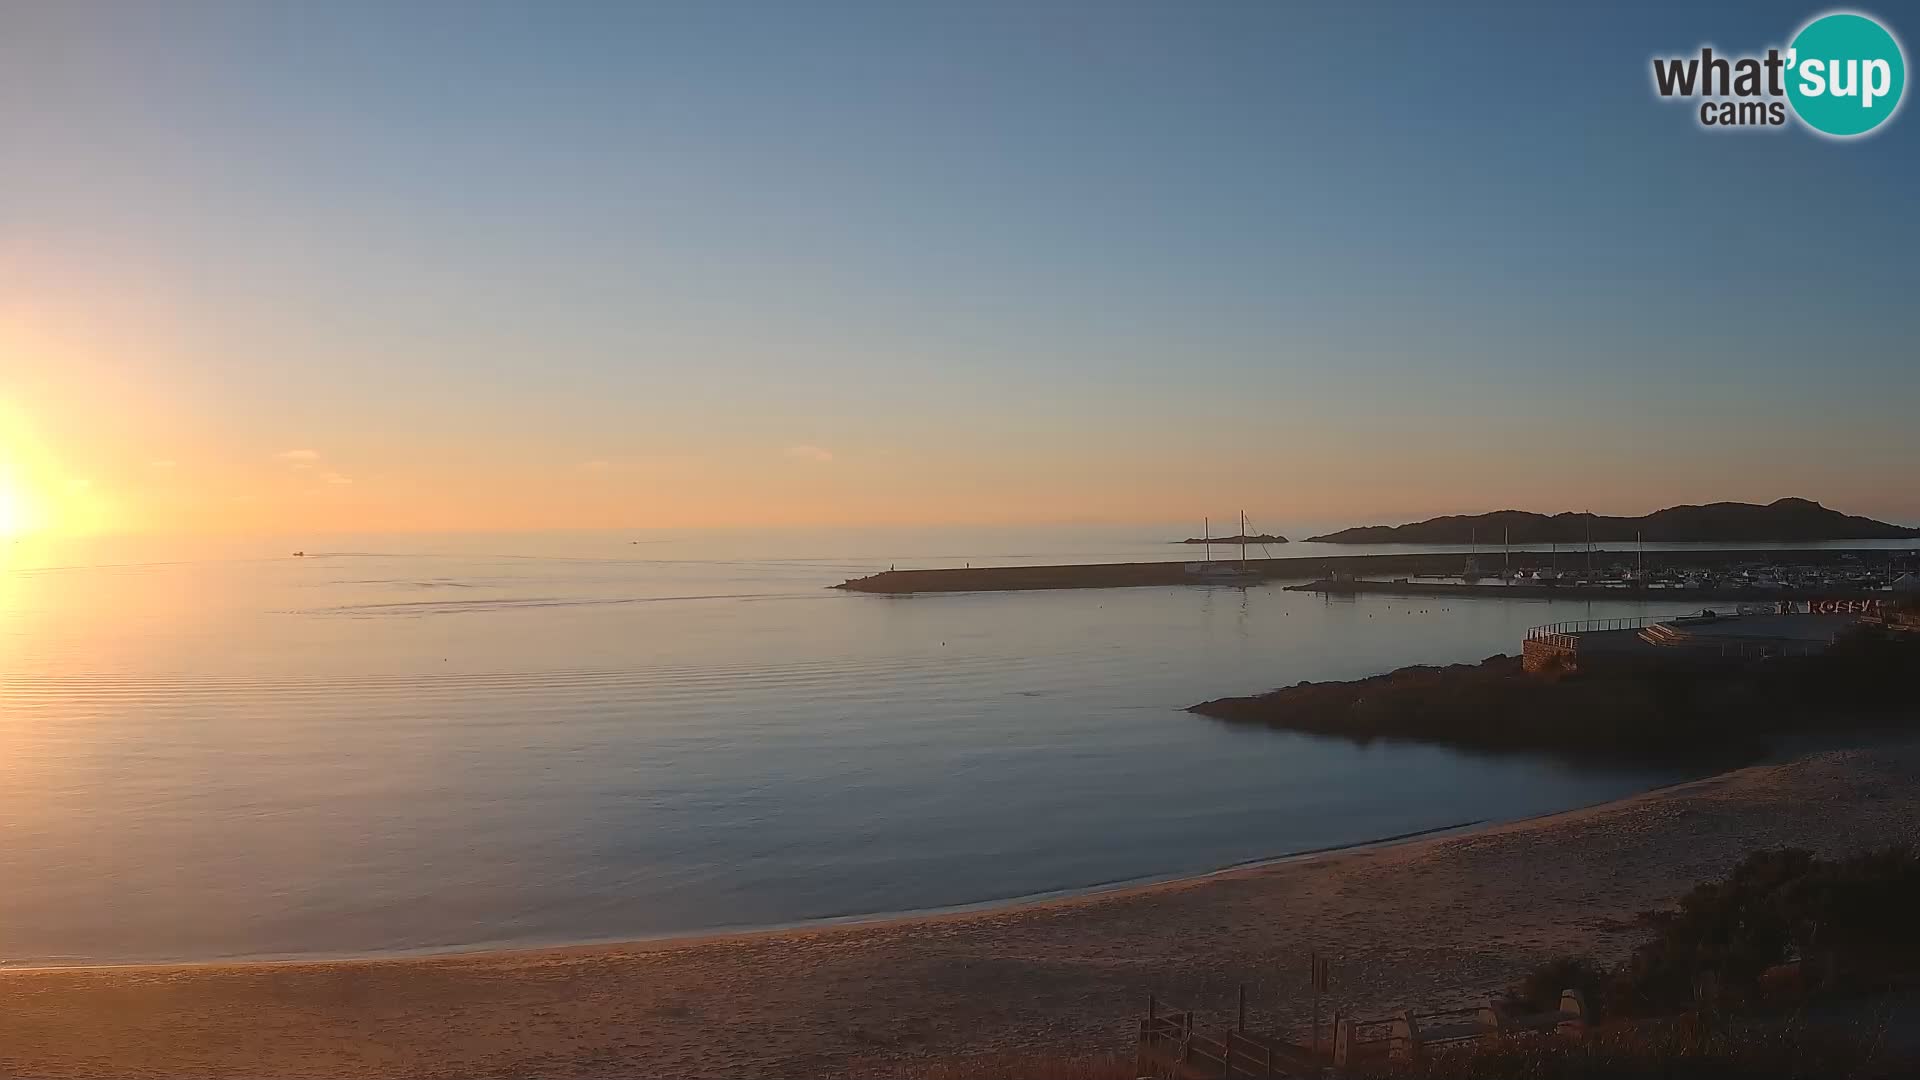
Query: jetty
point(1351, 573)
point(1123, 575)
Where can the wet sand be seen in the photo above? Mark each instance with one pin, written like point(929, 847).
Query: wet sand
point(1433, 921)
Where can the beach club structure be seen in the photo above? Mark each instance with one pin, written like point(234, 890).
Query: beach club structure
point(1749, 632)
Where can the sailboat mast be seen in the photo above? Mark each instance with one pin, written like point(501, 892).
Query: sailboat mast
point(1589, 544)
point(1206, 536)
point(1243, 539)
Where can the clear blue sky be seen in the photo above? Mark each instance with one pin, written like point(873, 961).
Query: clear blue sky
point(665, 263)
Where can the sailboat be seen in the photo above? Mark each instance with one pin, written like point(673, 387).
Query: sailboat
point(1550, 573)
point(1222, 572)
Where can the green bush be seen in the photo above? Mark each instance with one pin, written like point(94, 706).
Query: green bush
point(1857, 919)
point(1688, 1049)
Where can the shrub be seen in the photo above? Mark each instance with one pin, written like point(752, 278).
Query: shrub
point(1012, 1066)
point(1863, 912)
point(1689, 1049)
point(1540, 990)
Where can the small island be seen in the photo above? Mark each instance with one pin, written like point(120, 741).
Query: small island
point(1263, 538)
point(1784, 521)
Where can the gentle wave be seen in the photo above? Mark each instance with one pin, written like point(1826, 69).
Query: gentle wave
point(462, 607)
point(75, 688)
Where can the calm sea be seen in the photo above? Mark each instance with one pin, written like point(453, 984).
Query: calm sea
point(215, 750)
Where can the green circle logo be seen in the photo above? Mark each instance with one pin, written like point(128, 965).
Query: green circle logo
point(1845, 74)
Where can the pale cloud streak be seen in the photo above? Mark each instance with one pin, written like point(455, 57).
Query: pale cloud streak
point(307, 462)
point(639, 464)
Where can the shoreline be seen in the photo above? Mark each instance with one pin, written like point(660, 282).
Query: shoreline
point(1432, 921)
point(1143, 884)
point(865, 920)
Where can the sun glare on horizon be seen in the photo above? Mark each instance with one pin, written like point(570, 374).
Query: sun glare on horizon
point(16, 513)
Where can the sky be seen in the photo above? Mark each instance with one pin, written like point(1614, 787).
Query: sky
point(358, 266)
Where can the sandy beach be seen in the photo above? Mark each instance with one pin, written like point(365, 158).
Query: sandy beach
point(1431, 922)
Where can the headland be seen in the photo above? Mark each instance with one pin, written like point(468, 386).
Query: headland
point(1783, 521)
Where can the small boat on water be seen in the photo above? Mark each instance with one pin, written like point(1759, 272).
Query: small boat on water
point(1222, 573)
point(1471, 573)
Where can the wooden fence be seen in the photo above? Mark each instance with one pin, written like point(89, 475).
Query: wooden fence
point(1403, 1037)
point(1171, 1049)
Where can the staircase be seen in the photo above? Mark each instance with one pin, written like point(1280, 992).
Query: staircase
point(1664, 634)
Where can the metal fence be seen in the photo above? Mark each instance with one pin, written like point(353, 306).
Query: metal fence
point(1563, 635)
point(1588, 626)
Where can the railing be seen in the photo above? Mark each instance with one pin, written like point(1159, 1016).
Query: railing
point(1588, 626)
point(1755, 648)
point(1564, 636)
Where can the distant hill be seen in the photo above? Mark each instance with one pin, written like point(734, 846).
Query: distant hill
point(1784, 521)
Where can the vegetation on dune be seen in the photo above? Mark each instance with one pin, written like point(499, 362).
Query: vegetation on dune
point(1849, 922)
point(1691, 992)
point(1012, 1067)
point(1670, 708)
point(1540, 990)
point(1691, 1048)
point(1852, 918)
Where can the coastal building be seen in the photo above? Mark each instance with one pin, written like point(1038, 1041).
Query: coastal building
point(1708, 635)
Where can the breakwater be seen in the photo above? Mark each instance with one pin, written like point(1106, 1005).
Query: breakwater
point(1328, 567)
